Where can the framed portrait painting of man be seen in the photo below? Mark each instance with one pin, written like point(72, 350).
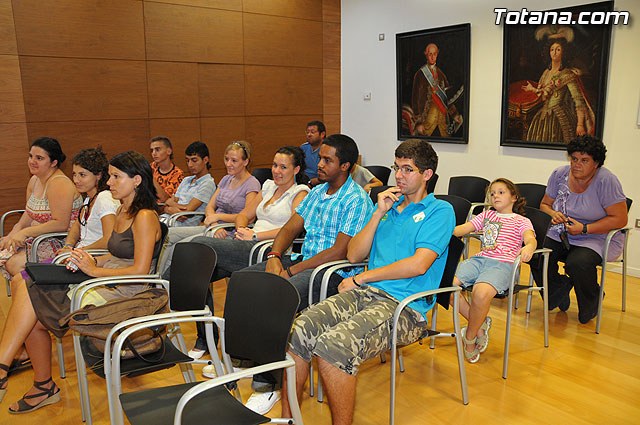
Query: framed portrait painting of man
point(433, 84)
point(554, 77)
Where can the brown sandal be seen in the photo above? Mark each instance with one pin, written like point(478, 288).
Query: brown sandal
point(53, 397)
point(3, 381)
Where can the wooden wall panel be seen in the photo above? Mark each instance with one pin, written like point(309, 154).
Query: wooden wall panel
point(181, 131)
point(59, 89)
point(7, 29)
point(304, 9)
point(331, 91)
point(271, 40)
point(268, 134)
point(14, 172)
point(114, 136)
point(192, 34)
point(331, 11)
point(221, 90)
point(11, 100)
point(215, 4)
point(173, 89)
point(272, 90)
point(331, 45)
point(13, 198)
point(80, 28)
point(217, 133)
point(332, 123)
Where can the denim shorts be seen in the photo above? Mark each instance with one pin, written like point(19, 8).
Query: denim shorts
point(483, 269)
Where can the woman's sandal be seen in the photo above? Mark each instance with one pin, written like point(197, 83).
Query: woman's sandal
point(471, 356)
point(53, 397)
point(3, 381)
point(483, 340)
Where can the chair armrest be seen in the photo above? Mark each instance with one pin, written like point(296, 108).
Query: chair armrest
point(97, 251)
point(328, 268)
point(211, 230)
point(261, 247)
point(38, 240)
point(474, 205)
point(4, 217)
point(78, 293)
point(221, 380)
point(174, 217)
point(610, 235)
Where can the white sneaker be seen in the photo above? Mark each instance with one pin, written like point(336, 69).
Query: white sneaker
point(209, 371)
point(195, 353)
point(262, 403)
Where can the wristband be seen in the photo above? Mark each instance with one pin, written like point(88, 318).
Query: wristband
point(95, 260)
point(289, 272)
point(274, 254)
point(68, 244)
point(354, 281)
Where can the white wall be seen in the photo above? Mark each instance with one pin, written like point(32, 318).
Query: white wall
point(368, 65)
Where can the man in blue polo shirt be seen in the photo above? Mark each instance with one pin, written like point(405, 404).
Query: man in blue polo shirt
point(331, 214)
point(407, 242)
point(315, 133)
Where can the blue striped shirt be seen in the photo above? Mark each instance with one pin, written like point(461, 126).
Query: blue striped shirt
point(346, 211)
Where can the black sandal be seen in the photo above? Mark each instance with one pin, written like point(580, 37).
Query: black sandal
point(3, 381)
point(53, 397)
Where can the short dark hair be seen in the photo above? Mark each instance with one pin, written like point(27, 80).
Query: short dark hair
point(346, 148)
point(298, 157)
point(52, 147)
point(320, 125)
point(94, 160)
point(166, 142)
point(135, 164)
point(590, 145)
point(420, 151)
point(200, 149)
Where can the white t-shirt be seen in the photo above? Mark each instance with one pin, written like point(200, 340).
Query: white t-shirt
point(361, 175)
point(276, 214)
point(102, 206)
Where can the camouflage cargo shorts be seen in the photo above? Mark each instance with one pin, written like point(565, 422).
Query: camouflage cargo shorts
point(352, 327)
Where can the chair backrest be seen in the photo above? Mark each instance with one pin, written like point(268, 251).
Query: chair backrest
point(192, 265)
point(456, 246)
point(629, 202)
point(541, 222)
point(380, 172)
point(532, 193)
point(262, 174)
point(460, 207)
point(258, 313)
point(373, 194)
point(431, 184)
point(471, 188)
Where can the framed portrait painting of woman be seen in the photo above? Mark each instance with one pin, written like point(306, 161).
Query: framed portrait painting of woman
point(555, 77)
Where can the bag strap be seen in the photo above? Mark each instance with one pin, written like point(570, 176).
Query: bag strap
point(161, 352)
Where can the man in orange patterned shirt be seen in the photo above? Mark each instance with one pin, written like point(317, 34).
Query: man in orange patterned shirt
point(166, 175)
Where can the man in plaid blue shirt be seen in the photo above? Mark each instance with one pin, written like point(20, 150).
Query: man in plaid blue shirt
point(331, 214)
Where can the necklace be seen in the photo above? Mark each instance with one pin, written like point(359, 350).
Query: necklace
point(83, 215)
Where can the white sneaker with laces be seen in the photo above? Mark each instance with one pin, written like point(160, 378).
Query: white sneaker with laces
point(262, 403)
point(195, 353)
point(209, 371)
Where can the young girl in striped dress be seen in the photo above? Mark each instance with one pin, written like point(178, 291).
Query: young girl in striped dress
point(504, 229)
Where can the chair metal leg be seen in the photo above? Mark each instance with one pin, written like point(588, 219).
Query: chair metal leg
point(8, 283)
point(601, 295)
point(507, 336)
point(529, 293)
point(320, 398)
point(60, 358)
point(383, 358)
point(400, 362)
point(545, 301)
point(624, 272)
point(81, 372)
point(311, 392)
point(434, 321)
point(458, 332)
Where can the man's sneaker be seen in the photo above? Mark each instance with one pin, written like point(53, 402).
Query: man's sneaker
point(261, 403)
point(209, 371)
point(199, 350)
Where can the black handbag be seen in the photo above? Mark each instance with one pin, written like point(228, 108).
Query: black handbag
point(54, 274)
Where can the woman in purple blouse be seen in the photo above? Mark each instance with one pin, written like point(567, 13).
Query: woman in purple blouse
point(235, 190)
point(585, 201)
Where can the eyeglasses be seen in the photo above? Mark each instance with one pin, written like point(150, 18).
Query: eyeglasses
point(405, 169)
